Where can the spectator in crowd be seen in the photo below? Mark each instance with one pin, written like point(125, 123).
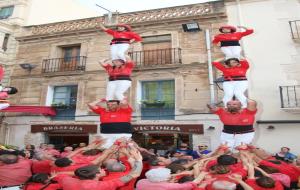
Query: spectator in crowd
point(184, 149)
point(203, 150)
point(285, 155)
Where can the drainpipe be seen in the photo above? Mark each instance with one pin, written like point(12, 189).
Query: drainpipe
point(210, 71)
point(7, 131)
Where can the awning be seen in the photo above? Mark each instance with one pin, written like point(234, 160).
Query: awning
point(44, 110)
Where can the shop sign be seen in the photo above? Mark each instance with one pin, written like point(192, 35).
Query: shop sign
point(184, 128)
point(64, 128)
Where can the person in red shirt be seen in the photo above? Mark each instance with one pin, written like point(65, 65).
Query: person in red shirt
point(229, 40)
point(14, 171)
point(115, 120)
point(261, 183)
point(122, 38)
point(119, 78)
point(41, 181)
point(89, 177)
point(238, 122)
point(235, 80)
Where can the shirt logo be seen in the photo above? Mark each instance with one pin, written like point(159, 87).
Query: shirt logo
point(245, 120)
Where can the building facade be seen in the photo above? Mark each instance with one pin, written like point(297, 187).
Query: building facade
point(274, 54)
point(170, 87)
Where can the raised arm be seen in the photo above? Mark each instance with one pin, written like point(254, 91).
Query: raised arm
point(252, 105)
point(239, 179)
point(136, 166)
point(247, 31)
point(212, 108)
point(105, 62)
point(96, 104)
point(99, 160)
point(217, 63)
point(102, 27)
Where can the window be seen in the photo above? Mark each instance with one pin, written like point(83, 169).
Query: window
point(157, 50)
point(5, 42)
point(158, 100)
point(71, 58)
point(64, 100)
point(6, 12)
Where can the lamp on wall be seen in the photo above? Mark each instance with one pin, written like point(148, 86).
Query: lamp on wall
point(191, 27)
point(28, 66)
point(211, 128)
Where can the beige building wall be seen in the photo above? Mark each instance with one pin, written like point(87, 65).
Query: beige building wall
point(40, 42)
point(274, 61)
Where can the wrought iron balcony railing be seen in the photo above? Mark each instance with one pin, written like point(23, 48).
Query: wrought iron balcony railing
point(157, 57)
point(290, 96)
point(295, 29)
point(77, 63)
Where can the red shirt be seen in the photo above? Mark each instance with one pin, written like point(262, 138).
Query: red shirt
point(69, 183)
point(124, 70)
point(252, 183)
point(124, 35)
point(245, 117)
point(43, 166)
point(238, 71)
point(121, 115)
point(15, 174)
point(292, 171)
point(117, 175)
point(236, 36)
point(83, 159)
point(38, 186)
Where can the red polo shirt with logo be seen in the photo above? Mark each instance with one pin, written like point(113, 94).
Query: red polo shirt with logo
point(124, 70)
point(228, 72)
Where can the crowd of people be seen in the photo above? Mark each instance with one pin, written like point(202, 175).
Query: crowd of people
point(126, 166)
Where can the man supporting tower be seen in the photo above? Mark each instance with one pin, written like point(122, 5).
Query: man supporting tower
point(238, 122)
point(115, 120)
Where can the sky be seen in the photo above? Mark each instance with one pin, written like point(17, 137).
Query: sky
point(124, 6)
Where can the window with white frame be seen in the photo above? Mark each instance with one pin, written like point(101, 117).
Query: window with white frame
point(6, 12)
point(158, 100)
point(64, 101)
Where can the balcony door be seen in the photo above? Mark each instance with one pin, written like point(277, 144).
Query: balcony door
point(157, 50)
point(71, 58)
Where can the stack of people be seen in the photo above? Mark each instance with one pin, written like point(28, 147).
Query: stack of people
point(238, 114)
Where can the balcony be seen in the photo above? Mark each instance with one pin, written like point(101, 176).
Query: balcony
point(295, 29)
point(67, 64)
point(290, 98)
point(157, 57)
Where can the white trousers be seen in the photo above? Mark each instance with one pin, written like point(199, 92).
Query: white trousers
point(232, 51)
point(111, 138)
point(115, 89)
point(4, 105)
point(234, 140)
point(11, 188)
point(237, 89)
point(118, 51)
